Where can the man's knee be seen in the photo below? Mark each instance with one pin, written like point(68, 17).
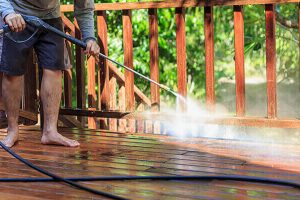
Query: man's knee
point(52, 73)
point(11, 79)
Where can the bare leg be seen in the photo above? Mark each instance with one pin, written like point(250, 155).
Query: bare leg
point(51, 95)
point(2, 109)
point(12, 92)
point(1, 99)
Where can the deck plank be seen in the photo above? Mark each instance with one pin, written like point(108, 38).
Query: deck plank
point(107, 153)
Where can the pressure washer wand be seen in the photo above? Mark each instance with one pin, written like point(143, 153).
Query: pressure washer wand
point(139, 74)
point(164, 87)
point(83, 45)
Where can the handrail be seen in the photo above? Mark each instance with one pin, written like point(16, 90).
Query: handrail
point(110, 79)
point(176, 4)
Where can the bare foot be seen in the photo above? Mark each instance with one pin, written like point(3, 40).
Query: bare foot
point(57, 139)
point(11, 138)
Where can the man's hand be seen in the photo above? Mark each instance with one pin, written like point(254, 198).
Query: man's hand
point(92, 49)
point(15, 22)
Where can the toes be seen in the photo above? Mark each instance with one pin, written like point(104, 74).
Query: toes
point(7, 144)
point(74, 143)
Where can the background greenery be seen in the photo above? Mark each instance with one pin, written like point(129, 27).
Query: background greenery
point(287, 46)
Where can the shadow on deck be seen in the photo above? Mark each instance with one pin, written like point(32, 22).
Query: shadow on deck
point(105, 153)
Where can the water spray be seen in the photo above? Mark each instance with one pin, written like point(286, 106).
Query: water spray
point(41, 25)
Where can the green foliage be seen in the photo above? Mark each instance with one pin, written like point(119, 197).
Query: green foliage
point(286, 38)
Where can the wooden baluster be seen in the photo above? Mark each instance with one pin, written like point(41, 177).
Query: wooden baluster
point(128, 61)
point(154, 66)
point(80, 74)
point(181, 54)
point(148, 126)
point(140, 123)
point(91, 90)
point(30, 88)
point(113, 123)
point(271, 60)
point(69, 28)
point(239, 60)
point(103, 75)
point(209, 56)
point(122, 107)
point(68, 76)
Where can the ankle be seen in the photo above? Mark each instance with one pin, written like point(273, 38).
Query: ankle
point(48, 131)
point(13, 129)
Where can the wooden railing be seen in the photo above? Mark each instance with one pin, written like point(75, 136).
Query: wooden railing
point(110, 80)
point(109, 104)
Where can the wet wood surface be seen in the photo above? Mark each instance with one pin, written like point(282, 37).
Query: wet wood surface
point(111, 154)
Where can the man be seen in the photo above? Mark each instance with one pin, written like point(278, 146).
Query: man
point(50, 52)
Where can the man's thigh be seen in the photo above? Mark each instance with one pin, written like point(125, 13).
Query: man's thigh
point(50, 48)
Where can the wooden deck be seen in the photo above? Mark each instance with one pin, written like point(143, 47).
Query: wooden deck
point(109, 153)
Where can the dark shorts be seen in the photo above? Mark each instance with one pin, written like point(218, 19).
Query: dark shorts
point(48, 47)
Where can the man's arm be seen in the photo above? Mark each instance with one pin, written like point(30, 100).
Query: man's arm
point(84, 13)
point(5, 8)
point(15, 21)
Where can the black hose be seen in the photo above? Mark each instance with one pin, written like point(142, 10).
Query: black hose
point(161, 178)
point(58, 178)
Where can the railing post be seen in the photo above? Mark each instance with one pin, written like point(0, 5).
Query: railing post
point(181, 54)
point(30, 88)
point(122, 107)
point(91, 90)
point(271, 60)
point(68, 76)
point(154, 67)
point(80, 73)
point(113, 123)
point(140, 124)
point(103, 74)
point(128, 61)
point(69, 29)
point(209, 56)
point(239, 60)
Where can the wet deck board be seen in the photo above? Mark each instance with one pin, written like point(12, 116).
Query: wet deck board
point(109, 153)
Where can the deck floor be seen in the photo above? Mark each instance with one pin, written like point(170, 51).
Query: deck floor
point(108, 153)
